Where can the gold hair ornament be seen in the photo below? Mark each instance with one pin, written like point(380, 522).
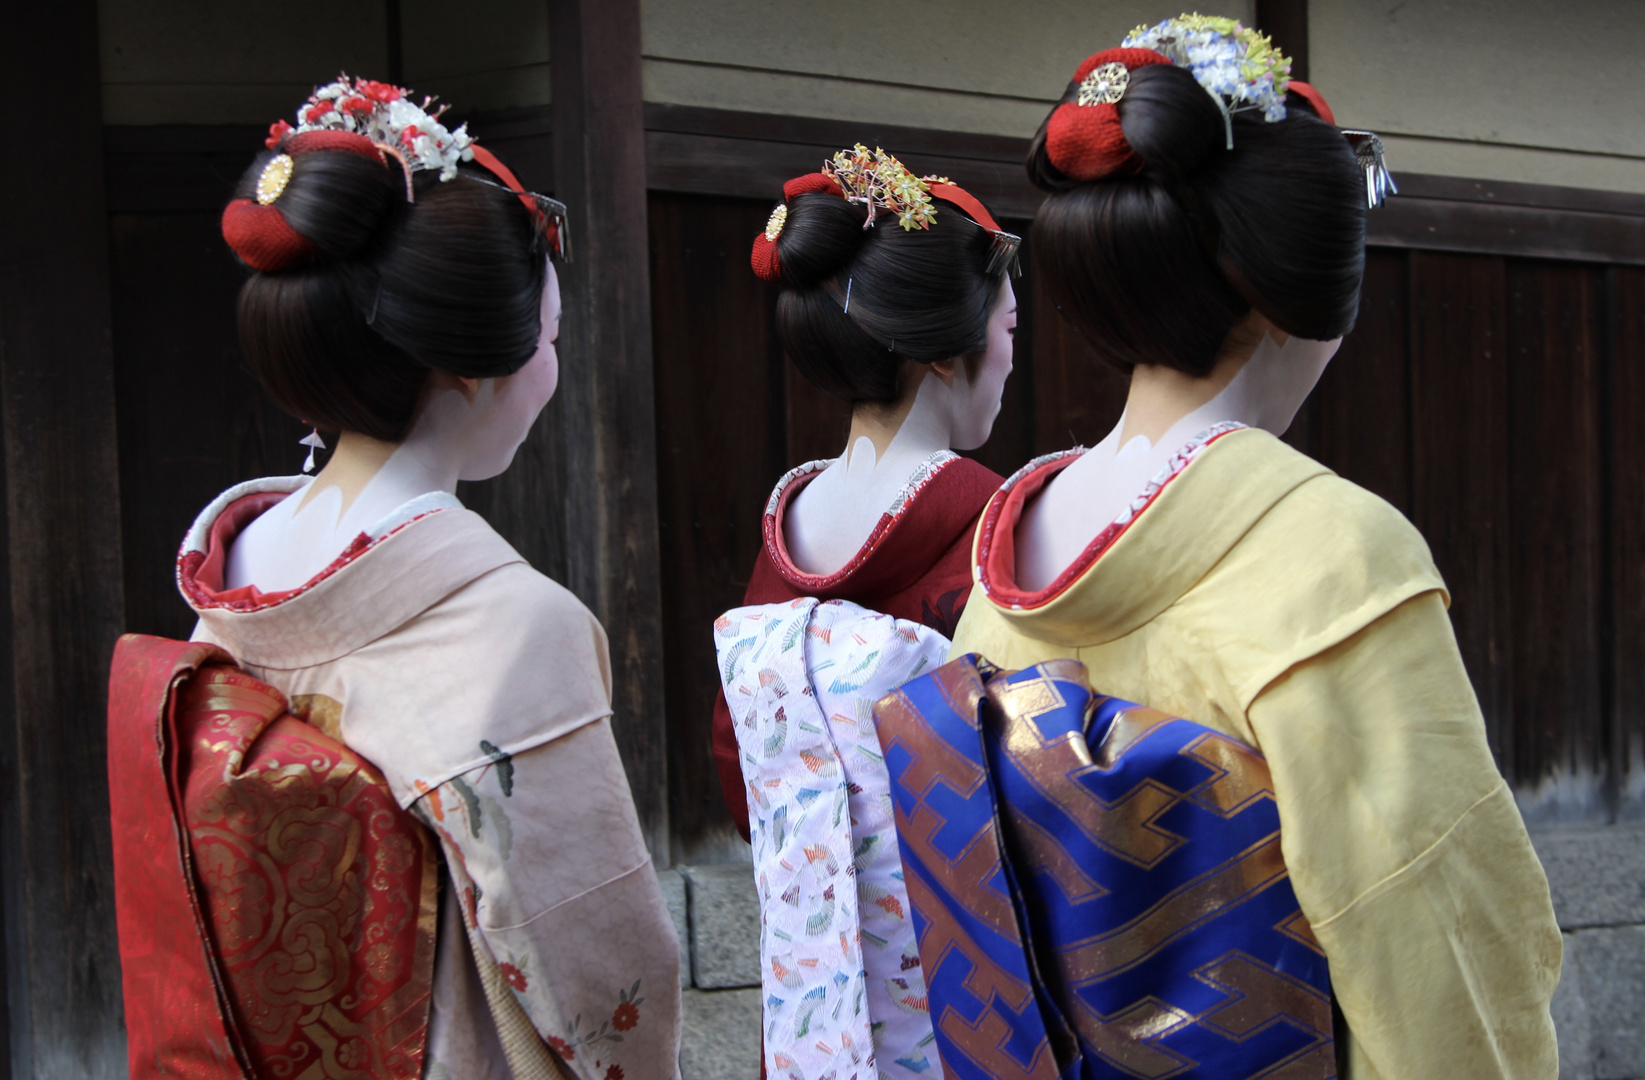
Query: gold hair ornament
point(1105, 84)
point(774, 224)
point(877, 180)
point(272, 181)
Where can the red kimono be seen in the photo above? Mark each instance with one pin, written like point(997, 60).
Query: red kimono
point(915, 565)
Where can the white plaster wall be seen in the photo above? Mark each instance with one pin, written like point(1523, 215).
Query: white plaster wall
point(965, 65)
point(1526, 90)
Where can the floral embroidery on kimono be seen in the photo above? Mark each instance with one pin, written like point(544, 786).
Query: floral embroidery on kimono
point(844, 994)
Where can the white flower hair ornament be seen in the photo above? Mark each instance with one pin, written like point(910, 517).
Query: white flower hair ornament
point(1238, 66)
point(385, 115)
point(379, 121)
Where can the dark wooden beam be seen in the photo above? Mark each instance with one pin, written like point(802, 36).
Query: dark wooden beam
point(1286, 22)
point(598, 441)
point(721, 152)
point(64, 562)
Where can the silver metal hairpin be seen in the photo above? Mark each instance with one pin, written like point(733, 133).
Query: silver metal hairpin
point(1368, 152)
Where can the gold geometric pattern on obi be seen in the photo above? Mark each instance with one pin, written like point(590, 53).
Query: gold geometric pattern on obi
point(1126, 827)
point(1298, 928)
point(1213, 893)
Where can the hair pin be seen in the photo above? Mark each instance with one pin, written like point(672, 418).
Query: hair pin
point(1368, 152)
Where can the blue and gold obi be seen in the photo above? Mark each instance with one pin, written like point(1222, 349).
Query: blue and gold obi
point(1098, 888)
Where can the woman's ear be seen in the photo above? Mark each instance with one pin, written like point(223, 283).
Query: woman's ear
point(944, 369)
point(469, 386)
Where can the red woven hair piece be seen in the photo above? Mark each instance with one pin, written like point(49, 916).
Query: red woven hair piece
point(1314, 98)
point(764, 258)
point(1086, 141)
point(257, 231)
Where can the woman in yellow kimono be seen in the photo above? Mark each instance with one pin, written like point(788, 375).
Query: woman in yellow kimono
point(1212, 244)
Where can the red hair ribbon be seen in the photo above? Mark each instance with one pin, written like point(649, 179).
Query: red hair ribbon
point(1087, 142)
point(265, 241)
point(764, 256)
point(1314, 98)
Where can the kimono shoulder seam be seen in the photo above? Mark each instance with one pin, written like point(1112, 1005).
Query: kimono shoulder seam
point(512, 748)
point(1344, 627)
point(644, 864)
point(1415, 862)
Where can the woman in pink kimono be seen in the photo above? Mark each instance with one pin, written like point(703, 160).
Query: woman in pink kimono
point(405, 299)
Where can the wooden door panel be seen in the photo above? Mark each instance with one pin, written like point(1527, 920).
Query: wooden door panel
point(721, 444)
point(1554, 366)
point(1459, 482)
point(1623, 499)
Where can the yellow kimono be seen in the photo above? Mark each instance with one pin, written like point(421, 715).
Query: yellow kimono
point(1262, 595)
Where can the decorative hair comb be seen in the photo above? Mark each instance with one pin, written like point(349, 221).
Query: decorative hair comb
point(379, 121)
point(1238, 66)
point(877, 181)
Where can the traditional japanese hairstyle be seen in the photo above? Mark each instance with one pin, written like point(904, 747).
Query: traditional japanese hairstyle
point(874, 273)
point(385, 247)
point(1191, 180)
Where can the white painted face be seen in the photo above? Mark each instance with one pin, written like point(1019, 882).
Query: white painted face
point(976, 404)
point(501, 412)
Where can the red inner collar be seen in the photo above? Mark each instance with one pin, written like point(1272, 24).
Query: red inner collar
point(201, 574)
point(777, 543)
point(997, 546)
point(207, 577)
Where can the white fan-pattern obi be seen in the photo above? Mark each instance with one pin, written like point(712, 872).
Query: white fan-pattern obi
point(844, 994)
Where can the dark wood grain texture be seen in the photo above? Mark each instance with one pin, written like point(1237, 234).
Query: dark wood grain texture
point(1554, 325)
point(720, 447)
point(1078, 397)
point(816, 425)
point(192, 418)
point(1625, 564)
point(63, 524)
point(1361, 414)
point(1286, 22)
point(1460, 496)
point(605, 500)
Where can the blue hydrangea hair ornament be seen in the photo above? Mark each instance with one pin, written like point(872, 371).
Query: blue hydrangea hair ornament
point(1240, 69)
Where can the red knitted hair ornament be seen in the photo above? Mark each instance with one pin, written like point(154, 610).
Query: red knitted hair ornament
point(1087, 142)
point(1314, 98)
point(259, 233)
point(764, 256)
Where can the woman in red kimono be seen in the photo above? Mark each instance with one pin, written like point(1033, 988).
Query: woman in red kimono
point(912, 322)
point(372, 820)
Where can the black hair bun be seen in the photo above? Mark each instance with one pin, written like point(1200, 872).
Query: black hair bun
point(1171, 121)
point(340, 202)
point(821, 237)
